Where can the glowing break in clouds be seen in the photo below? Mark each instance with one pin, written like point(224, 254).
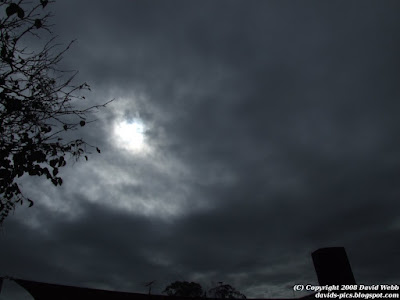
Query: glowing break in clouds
point(130, 135)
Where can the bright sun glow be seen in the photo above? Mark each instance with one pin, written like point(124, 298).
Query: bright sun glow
point(130, 135)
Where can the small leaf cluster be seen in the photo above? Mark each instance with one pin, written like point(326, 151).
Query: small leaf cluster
point(194, 290)
point(226, 291)
point(184, 289)
point(35, 103)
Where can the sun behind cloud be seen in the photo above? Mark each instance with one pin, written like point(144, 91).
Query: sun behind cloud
point(130, 135)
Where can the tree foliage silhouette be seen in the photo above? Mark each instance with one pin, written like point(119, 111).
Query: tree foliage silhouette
point(36, 102)
point(184, 289)
point(225, 291)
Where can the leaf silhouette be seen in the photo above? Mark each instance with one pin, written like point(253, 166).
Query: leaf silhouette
point(44, 3)
point(20, 13)
point(12, 9)
point(38, 23)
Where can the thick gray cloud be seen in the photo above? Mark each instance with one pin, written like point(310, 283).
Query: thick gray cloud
point(271, 130)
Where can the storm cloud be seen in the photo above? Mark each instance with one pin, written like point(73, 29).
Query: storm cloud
point(270, 130)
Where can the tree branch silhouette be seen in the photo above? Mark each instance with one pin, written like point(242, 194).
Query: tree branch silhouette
point(36, 102)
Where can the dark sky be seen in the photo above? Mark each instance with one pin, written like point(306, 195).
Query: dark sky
point(269, 129)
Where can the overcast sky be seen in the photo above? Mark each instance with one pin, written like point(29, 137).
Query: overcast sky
point(258, 132)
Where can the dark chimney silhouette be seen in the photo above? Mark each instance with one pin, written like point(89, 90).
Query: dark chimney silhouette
point(332, 266)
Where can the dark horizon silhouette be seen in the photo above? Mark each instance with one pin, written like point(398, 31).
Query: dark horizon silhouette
point(331, 264)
